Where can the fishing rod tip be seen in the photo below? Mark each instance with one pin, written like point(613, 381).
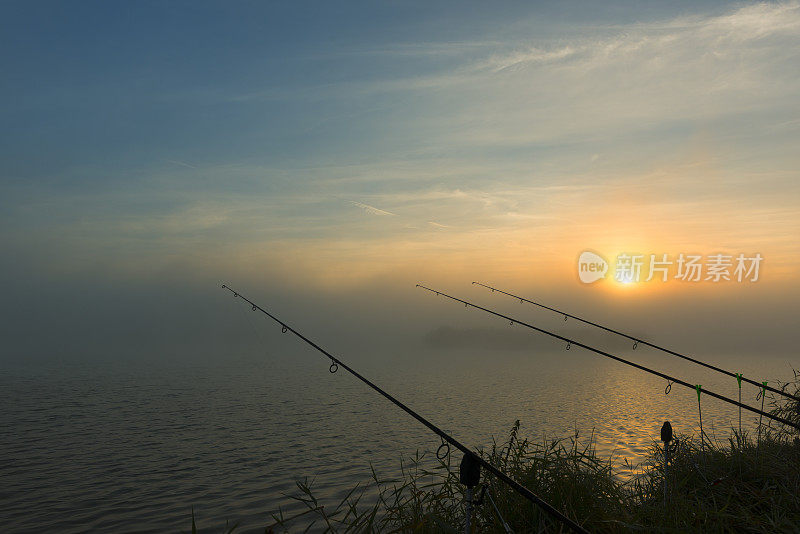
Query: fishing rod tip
point(224, 286)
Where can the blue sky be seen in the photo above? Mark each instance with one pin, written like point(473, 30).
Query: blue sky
point(317, 145)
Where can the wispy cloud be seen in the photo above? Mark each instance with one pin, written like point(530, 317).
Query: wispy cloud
point(661, 126)
point(372, 210)
point(606, 80)
point(181, 163)
point(525, 57)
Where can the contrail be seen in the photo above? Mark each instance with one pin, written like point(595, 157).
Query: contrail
point(371, 209)
point(181, 163)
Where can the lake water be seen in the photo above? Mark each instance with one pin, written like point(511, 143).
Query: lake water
point(131, 447)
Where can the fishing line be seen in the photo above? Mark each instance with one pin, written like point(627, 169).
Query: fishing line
point(739, 380)
point(617, 358)
point(516, 486)
point(497, 511)
point(638, 341)
point(699, 388)
point(761, 395)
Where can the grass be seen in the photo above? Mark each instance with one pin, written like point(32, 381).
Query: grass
point(746, 484)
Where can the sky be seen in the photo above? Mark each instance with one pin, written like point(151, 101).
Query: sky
point(326, 157)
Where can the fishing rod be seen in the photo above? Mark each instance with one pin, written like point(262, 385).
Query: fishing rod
point(638, 341)
point(336, 363)
point(670, 379)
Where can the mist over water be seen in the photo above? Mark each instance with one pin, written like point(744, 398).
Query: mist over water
point(132, 446)
point(127, 406)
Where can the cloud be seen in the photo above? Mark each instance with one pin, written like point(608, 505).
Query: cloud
point(602, 83)
point(532, 55)
point(510, 147)
point(372, 210)
point(181, 163)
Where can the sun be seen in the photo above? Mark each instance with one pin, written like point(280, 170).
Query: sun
point(627, 283)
